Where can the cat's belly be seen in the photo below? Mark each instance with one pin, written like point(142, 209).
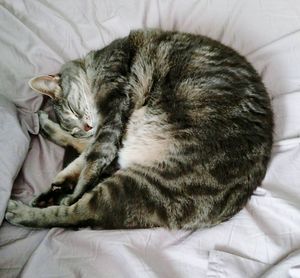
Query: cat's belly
point(146, 141)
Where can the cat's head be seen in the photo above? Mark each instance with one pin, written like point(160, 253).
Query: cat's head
point(71, 97)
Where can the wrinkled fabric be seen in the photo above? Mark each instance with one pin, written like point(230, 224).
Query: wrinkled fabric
point(37, 37)
point(14, 144)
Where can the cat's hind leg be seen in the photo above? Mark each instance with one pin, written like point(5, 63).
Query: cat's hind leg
point(121, 201)
point(20, 214)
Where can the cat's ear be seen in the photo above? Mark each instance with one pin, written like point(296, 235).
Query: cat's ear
point(46, 85)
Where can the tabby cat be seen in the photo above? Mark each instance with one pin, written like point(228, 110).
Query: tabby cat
point(174, 130)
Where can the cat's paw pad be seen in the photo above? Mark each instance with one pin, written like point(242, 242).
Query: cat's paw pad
point(17, 213)
point(42, 201)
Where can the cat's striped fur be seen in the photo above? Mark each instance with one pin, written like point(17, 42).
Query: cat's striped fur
point(182, 134)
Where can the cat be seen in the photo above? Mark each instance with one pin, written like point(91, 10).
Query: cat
point(173, 129)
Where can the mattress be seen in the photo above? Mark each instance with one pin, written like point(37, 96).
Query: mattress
point(37, 37)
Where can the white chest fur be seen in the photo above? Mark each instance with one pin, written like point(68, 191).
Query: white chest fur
point(146, 140)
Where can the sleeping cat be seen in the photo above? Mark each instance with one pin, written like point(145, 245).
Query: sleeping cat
point(174, 130)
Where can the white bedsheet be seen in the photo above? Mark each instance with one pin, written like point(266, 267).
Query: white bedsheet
point(37, 37)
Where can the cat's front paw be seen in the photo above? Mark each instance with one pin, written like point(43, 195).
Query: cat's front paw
point(43, 116)
point(46, 125)
point(17, 213)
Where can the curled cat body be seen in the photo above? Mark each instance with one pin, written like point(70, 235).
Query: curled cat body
point(174, 130)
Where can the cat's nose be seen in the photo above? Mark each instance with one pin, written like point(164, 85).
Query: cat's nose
point(87, 127)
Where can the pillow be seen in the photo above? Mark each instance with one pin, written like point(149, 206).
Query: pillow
point(14, 144)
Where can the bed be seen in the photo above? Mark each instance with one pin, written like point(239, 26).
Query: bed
point(37, 37)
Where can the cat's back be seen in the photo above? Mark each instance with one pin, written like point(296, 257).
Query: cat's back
point(209, 99)
point(197, 81)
